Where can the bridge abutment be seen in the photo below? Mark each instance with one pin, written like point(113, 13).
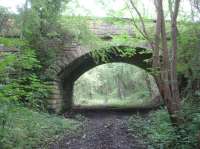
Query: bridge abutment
point(55, 100)
point(60, 99)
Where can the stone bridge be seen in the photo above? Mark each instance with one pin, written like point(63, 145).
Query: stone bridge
point(76, 60)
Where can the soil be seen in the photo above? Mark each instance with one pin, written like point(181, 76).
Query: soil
point(102, 130)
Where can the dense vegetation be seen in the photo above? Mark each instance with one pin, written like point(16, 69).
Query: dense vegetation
point(23, 100)
point(37, 35)
point(24, 121)
point(25, 128)
point(157, 131)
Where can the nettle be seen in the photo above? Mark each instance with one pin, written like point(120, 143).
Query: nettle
point(20, 81)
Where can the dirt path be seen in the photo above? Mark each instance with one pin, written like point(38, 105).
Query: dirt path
point(102, 131)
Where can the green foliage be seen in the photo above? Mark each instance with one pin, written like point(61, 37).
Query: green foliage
point(12, 42)
point(124, 45)
point(188, 131)
point(157, 131)
point(125, 40)
point(40, 18)
point(27, 60)
point(189, 56)
point(78, 29)
point(30, 90)
point(20, 81)
point(5, 63)
point(188, 52)
point(114, 84)
point(40, 26)
point(22, 128)
point(102, 53)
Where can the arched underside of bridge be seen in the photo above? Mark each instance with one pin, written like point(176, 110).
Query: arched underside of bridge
point(62, 95)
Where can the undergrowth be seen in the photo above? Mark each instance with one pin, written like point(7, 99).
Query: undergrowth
point(22, 128)
point(158, 133)
point(23, 101)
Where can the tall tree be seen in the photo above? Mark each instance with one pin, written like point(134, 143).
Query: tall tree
point(167, 78)
point(174, 82)
point(40, 16)
point(40, 27)
point(168, 70)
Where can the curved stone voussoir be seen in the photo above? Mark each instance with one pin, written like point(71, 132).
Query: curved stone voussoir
point(77, 59)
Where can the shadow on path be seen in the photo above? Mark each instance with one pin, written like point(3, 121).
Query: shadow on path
point(102, 130)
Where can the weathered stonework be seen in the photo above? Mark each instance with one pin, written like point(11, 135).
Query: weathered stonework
point(77, 59)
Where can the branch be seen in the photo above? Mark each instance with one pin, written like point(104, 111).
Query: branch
point(140, 17)
point(143, 32)
point(135, 24)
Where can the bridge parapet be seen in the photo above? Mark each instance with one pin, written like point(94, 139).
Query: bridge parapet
point(106, 29)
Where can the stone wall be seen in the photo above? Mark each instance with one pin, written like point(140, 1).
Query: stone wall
point(72, 65)
point(76, 60)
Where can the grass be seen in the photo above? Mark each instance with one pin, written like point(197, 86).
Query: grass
point(21, 128)
point(155, 129)
point(133, 101)
point(112, 103)
point(157, 132)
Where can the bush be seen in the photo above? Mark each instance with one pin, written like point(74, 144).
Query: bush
point(22, 128)
point(157, 131)
point(20, 84)
point(20, 78)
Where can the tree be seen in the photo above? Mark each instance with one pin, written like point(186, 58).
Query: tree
point(40, 27)
point(167, 78)
point(40, 16)
point(174, 81)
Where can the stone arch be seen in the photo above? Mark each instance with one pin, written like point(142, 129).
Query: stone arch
point(76, 61)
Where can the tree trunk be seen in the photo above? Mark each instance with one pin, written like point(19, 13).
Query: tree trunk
point(170, 98)
point(156, 52)
point(174, 80)
point(165, 76)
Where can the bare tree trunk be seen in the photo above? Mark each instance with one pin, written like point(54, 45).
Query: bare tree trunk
point(156, 52)
point(166, 78)
point(168, 72)
point(165, 68)
point(24, 18)
point(174, 81)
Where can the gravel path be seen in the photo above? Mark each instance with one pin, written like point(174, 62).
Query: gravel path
point(102, 131)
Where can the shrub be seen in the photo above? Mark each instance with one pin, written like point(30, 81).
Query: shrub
point(21, 127)
point(20, 78)
point(157, 131)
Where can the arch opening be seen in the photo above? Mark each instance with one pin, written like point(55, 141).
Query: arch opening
point(82, 61)
point(115, 86)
